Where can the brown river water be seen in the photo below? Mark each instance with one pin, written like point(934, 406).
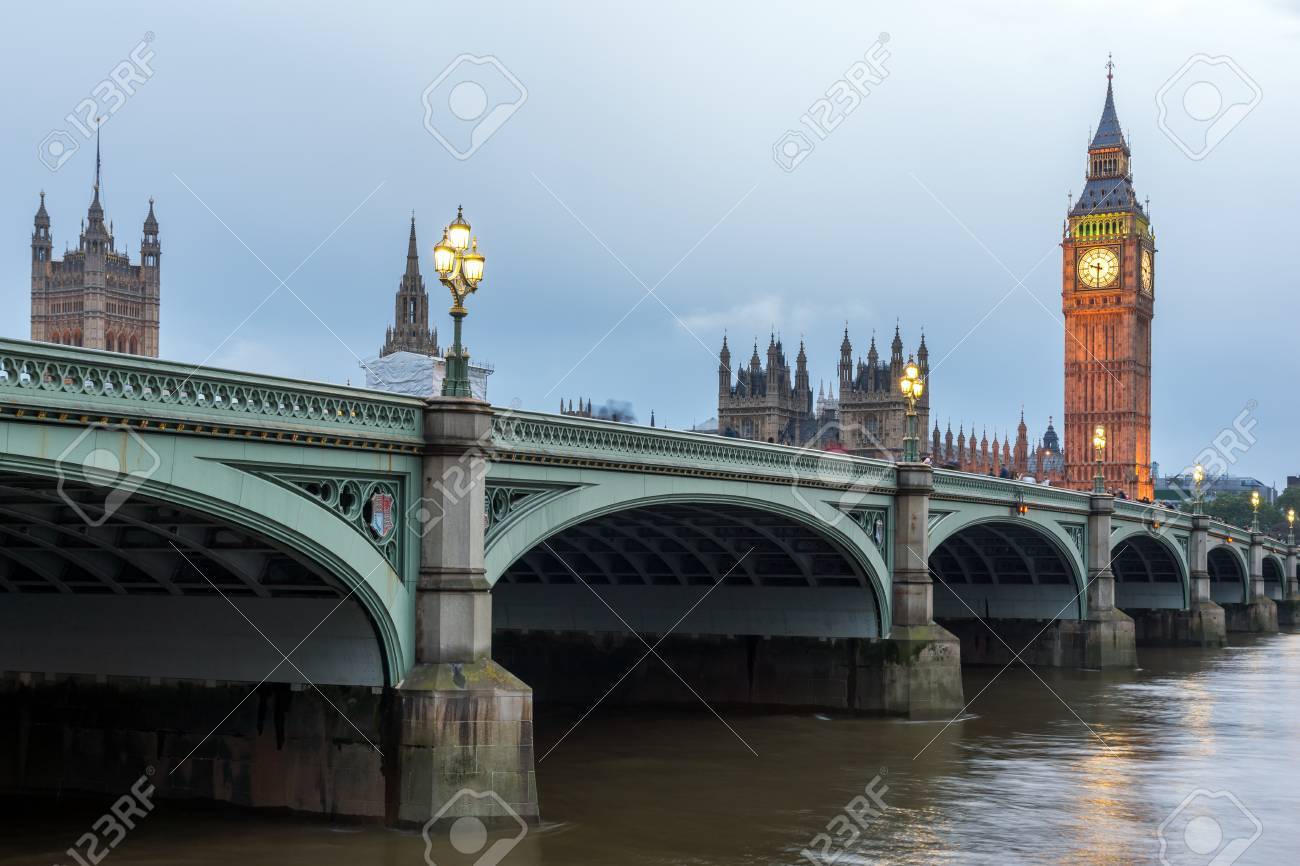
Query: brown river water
point(1198, 749)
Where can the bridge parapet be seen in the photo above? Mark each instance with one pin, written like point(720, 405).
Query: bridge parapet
point(966, 486)
point(88, 385)
point(539, 437)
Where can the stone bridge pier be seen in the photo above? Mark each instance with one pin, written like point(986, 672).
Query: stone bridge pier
point(919, 666)
point(1288, 609)
point(464, 720)
point(1108, 634)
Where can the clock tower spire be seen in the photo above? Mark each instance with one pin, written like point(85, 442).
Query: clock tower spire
point(1108, 299)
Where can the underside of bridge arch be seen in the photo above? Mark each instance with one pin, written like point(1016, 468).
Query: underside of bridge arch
point(643, 569)
point(1007, 587)
point(185, 642)
point(743, 605)
point(1152, 587)
point(1274, 582)
point(1003, 570)
point(1148, 576)
point(143, 588)
point(1227, 576)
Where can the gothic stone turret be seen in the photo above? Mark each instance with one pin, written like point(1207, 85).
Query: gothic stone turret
point(410, 329)
point(762, 401)
point(94, 297)
point(765, 403)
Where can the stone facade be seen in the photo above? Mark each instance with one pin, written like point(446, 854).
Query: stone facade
point(94, 297)
point(872, 414)
point(1043, 460)
point(766, 403)
point(1108, 298)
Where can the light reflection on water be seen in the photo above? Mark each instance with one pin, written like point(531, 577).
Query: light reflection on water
point(1021, 780)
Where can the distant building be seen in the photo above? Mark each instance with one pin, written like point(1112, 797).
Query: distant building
point(1182, 486)
point(767, 403)
point(94, 297)
point(1043, 459)
point(708, 426)
point(583, 410)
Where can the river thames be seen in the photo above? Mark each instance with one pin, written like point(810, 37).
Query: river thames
point(1197, 749)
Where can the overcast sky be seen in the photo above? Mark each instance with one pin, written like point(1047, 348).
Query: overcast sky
point(292, 141)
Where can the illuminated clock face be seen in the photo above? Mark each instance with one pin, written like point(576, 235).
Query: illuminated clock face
point(1147, 276)
point(1098, 267)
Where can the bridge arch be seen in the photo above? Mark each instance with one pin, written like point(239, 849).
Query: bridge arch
point(970, 558)
point(801, 566)
point(1274, 576)
point(144, 580)
point(1150, 572)
point(1229, 574)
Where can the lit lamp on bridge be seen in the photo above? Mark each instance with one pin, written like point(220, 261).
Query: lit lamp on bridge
point(1254, 506)
point(1290, 524)
point(1099, 448)
point(1198, 475)
point(460, 268)
point(912, 386)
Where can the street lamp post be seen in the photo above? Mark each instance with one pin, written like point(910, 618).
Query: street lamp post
point(1198, 475)
point(1254, 506)
point(1099, 447)
point(1290, 522)
point(912, 386)
point(460, 268)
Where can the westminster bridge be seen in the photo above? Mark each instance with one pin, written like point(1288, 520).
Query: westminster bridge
point(290, 594)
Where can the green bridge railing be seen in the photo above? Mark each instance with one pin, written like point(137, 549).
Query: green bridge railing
point(84, 384)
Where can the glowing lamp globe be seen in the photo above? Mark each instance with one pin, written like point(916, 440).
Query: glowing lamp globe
point(458, 232)
point(472, 264)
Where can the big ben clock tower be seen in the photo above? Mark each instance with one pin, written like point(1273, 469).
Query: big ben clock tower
point(1108, 298)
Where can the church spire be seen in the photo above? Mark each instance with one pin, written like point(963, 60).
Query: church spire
point(412, 252)
point(410, 331)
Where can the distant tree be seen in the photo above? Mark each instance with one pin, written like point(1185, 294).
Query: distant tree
point(616, 410)
point(1290, 498)
point(1235, 509)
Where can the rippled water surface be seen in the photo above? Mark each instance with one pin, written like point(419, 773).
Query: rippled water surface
point(1024, 778)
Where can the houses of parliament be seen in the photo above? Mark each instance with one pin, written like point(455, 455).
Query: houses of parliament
point(869, 417)
point(1108, 301)
point(94, 297)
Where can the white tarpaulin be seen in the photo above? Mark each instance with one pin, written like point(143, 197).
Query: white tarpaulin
point(418, 375)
